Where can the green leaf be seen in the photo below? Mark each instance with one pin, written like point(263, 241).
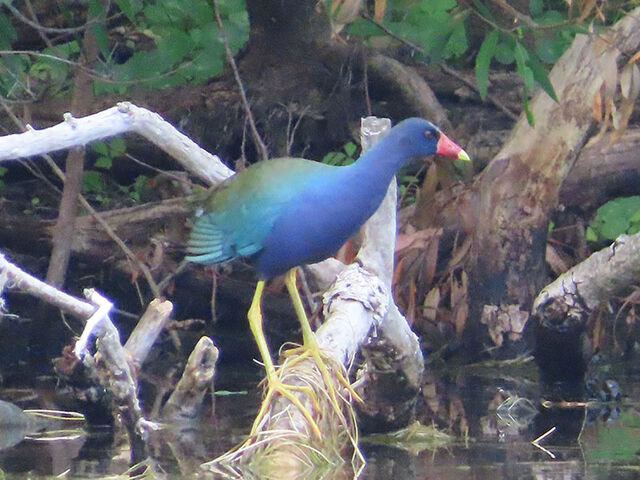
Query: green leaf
point(174, 46)
point(527, 110)
point(635, 218)
point(130, 8)
point(551, 17)
point(483, 61)
point(541, 77)
point(7, 33)
point(117, 146)
point(104, 162)
point(350, 148)
point(93, 182)
point(536, 7)
point(549, 50)
point(484, 11)
point(225, 393)
point(96, 12)
point(101, 148)
point(504, 52)
point(615, 218)
point(522, 57)
point(457, 43)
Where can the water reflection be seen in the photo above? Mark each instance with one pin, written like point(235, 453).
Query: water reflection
point(493, 422)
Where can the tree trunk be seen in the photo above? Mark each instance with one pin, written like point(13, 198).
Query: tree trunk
point(520, 187)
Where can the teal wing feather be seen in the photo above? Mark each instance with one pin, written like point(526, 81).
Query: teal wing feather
point(238, 215)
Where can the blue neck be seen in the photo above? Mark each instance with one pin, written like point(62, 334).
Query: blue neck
point(376, 167)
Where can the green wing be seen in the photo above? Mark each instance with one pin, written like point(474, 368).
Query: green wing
point(239, 214)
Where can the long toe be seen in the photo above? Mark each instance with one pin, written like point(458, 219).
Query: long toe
point(291, 393)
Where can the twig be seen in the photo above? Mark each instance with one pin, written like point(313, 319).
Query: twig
point(492, 98)
point(41, 28)
point(262, 149)
point(18, 278)
point(526, 19)
point(104, 307)
point(42, 33)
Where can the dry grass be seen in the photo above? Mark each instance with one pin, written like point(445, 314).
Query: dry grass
point(283, 445)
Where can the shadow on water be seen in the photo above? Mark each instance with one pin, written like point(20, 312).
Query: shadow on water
point(492, 419)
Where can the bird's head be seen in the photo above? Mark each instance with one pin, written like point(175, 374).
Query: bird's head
point(423, 138)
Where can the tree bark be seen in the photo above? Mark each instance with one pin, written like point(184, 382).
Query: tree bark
point(520, 187)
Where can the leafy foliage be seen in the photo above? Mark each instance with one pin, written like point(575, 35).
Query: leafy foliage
point(439, 29)
point(345, 157)
point(99, 185)
point(107, 151)
point(618, 216)
point(436, 26)
point(186, 48)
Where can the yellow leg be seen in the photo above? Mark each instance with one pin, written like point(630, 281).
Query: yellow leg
point(274, 384)
point(311, 345)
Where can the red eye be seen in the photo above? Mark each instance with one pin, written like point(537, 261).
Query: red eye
point(428, 134)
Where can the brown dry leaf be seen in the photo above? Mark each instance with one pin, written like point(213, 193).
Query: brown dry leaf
point(345, 11)
point(460, 253)
point(457, 414)
point(630, 319)
point(397, 272)
point(635, 57)
point(460, 319)
point(597, 334)
point(347, 253)
point(430, 183)
point(504, 319)
point(418, 239)
point(411, 307)
point(431, 258)
point(585, 9)
point(431, 303)
point(555, 260)
point(621, 118)
point(459, 303)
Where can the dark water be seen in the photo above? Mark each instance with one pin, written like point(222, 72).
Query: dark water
point(492, 439)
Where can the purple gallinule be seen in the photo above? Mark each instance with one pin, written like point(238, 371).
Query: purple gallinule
point(286, 212)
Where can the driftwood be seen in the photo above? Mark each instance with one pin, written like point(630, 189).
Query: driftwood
point(563, 308)
point(185, 403)
point(113, 368)
point(113, 365)
point(117, 120)
point(607, 273)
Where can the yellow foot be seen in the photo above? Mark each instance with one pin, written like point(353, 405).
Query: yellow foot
point(274, 386)
point(303, 352)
